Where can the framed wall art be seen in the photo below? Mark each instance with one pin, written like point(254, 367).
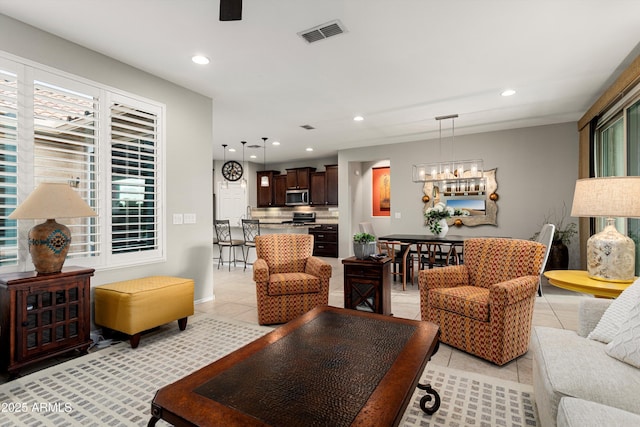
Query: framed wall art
point(381, 191)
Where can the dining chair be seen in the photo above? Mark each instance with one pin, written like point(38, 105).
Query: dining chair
point(250, 229)
point(223, 234)
point(402, 259)
point(546, 238)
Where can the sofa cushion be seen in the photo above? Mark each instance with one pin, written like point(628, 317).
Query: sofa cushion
point(625, 346)
point(293, 283)
point(616, 314)
point(582, 413)
point(565, 364)
point(468, 301)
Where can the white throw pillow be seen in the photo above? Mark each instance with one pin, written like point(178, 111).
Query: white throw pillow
point(616, 314)
point(625, 346)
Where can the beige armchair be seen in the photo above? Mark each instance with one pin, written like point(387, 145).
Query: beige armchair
point(485, 306)
point(289, 280)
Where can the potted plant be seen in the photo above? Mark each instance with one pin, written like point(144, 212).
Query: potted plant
point(559, 254)
point(364, 245)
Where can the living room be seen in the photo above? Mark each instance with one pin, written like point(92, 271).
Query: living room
point(537, 165)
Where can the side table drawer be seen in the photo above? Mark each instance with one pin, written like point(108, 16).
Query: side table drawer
point(325, 249)
point(323, 236)
point(362, 271)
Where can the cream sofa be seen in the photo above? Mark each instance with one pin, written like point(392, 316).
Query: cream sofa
point(575, 382)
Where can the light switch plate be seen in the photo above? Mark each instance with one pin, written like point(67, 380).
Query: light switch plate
point(189, 218)
point(177, 219)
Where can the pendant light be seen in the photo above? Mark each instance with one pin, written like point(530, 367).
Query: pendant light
point(264, 181)
point(225, 184)
point(243, 182)
point(456, 177)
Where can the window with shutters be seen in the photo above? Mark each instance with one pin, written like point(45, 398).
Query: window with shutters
point(8, 167)
point(104, 144)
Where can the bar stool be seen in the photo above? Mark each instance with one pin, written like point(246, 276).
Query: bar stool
point(250, 229)
point(223, 233)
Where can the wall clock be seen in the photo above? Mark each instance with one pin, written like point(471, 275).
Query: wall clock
point(232, 170)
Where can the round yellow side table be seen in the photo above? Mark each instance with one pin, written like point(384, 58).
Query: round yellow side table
point(579, 281)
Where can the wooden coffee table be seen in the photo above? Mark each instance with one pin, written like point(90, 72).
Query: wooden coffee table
point(330, 367)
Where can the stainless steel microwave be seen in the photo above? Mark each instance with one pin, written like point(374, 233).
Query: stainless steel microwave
point(297, 197)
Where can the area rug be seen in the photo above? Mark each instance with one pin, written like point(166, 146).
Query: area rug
point(115, 386)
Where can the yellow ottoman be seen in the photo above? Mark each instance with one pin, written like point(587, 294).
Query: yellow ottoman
point(134, 306)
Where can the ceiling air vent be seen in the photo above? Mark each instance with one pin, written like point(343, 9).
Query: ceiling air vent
point(307, 127)
point(321, 32)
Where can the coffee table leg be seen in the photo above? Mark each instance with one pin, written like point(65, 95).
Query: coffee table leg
point(156, 414)
point(429, 410)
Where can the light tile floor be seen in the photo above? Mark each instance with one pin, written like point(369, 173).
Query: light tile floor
point(235, 298)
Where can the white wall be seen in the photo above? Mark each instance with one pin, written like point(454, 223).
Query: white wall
point(188, 149)
point(536, 172)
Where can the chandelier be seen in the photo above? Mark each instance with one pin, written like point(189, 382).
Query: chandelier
point(455, 177)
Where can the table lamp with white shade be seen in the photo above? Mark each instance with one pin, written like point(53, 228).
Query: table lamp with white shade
point(610, 254)
point(49, 242)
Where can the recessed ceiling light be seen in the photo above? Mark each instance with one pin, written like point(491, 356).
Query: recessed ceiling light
point(200, 59)
point(309, 149)
point(253, 156)
point(358, 118)
point(233, 150)
point(275, 143)
point(508, 92)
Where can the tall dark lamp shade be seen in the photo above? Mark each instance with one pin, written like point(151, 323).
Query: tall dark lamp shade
point(49, 242)
point(610, 254)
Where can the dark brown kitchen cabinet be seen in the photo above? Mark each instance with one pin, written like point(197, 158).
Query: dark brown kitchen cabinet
point(266, 195)
point(299, 178)
point(317, 192)
point(280, 190)
point(324, 187)
point(331, 185)
point(43, 316)
point(325, 240)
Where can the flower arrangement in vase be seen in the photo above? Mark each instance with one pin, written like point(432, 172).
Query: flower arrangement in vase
point(436, 218)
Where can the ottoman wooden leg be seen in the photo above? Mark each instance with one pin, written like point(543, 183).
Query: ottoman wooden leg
point(182, 323)
point(135, 340)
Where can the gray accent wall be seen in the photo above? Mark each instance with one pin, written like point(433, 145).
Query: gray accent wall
point(536, 172)
point(188, 156)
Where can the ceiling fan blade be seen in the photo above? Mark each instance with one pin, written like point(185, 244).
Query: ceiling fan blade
point(230, 10)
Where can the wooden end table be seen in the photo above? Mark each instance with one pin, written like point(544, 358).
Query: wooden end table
point(367, 284)
point(579, 281)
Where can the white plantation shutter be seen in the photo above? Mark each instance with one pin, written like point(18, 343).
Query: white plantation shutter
point(65, 139)
point(134, 179)
point(8, 167)
point(104, 143)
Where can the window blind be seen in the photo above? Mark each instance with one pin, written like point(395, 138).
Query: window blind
point(8, 167)
point(134, 186)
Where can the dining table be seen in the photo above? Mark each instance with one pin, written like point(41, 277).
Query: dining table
point(406, 240)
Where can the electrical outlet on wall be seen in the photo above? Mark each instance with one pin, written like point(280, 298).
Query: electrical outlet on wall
point(398, 215)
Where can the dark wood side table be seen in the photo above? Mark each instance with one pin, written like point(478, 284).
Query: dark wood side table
point(367, 284)
point(42, 316)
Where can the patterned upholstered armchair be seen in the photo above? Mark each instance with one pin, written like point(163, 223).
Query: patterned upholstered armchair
point(485, 306)
point(289, 280)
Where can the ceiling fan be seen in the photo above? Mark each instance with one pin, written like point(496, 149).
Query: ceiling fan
point(230, 10)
